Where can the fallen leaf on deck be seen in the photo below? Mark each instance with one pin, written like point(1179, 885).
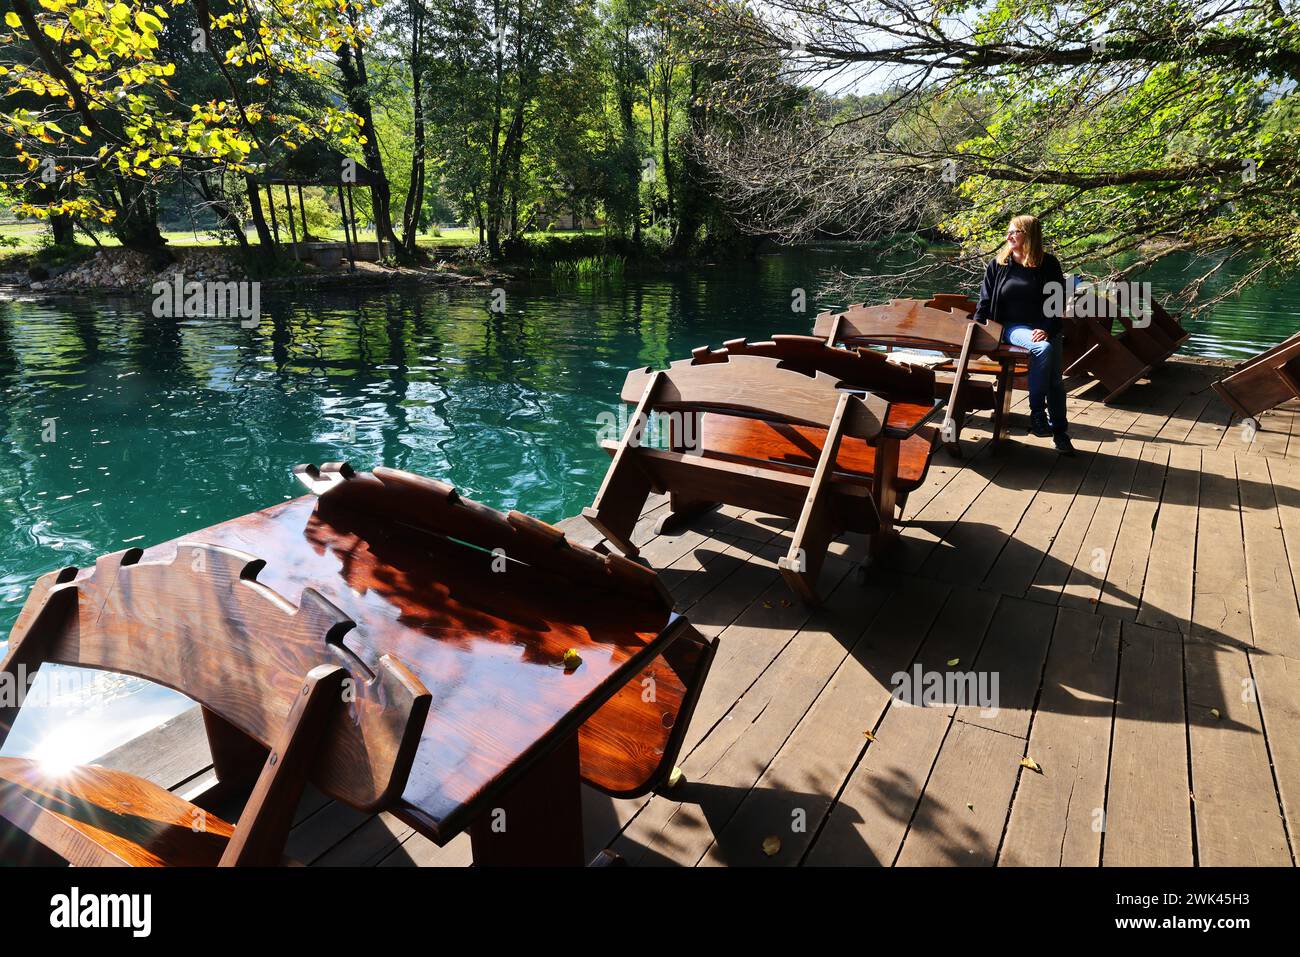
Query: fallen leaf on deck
point(868, 735)
point(970, 807)
point(675, 777)
point(572, 659)
point(771, 845)
point(1215, 712)
point(953, 662)
point(1031, 764)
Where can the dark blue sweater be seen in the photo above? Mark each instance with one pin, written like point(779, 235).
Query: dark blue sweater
point(1014, 295)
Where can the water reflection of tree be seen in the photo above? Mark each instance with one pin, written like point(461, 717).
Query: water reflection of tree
point(156, 346)
point(10, 386)
point(396, 423)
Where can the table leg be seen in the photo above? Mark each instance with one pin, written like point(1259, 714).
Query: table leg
point(1002, 402)
point(538, 822)
point(884, 492)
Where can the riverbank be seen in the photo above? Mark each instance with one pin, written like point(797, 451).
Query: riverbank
point(123, 271)
point(445, 260)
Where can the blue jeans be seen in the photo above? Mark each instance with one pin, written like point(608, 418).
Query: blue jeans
point(1046, 391)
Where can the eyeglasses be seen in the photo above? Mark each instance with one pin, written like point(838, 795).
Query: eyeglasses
point(1015, 232)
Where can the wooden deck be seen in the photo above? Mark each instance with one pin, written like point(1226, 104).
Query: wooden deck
point(1136, 604)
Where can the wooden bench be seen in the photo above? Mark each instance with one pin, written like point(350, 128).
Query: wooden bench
point(908, 389)
point(1117, 348)
point(1117, 358)
point(1266, 381)
point(942, 324)
point(1106, 357)
point(824, 501)
point(395, 584)
point(202, 624)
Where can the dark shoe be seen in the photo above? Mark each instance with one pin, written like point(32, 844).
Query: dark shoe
point(1062, 443)
point(1038, 426)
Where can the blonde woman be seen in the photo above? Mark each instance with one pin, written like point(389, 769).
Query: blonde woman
point(1021, 286)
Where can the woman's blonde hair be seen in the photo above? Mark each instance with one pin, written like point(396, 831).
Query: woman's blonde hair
point(1033, 231)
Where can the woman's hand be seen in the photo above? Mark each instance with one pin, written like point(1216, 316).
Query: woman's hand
point(1038, 335)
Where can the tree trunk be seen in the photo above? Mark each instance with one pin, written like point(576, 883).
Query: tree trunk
point(264, 236)
point(352, 65)
point(136, 223)
point(631, 162)
point(500, 173)
point(667, 155)
point(688, 197)
point(62, 227)
point(415, 189)
point(221, 207)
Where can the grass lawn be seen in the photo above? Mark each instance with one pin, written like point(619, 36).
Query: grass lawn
point(27, 237)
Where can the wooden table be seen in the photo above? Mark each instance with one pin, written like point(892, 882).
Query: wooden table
point(1003, 363)
point(905, 418)
point(499, 754)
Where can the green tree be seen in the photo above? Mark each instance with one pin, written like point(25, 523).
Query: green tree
point(1135, 128)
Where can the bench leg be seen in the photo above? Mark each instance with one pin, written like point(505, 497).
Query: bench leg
point(950, 434)
point(538, 822)
point(884, 495)
point(802, 566)
point(237, 760)
point(1109, 361)
point(619, 504)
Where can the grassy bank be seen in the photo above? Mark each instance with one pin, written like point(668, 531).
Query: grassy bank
point(23, 243)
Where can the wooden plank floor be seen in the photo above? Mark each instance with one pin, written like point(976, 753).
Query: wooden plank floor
point(1132, 612)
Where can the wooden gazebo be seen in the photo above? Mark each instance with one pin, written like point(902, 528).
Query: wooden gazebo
point(316, 164)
